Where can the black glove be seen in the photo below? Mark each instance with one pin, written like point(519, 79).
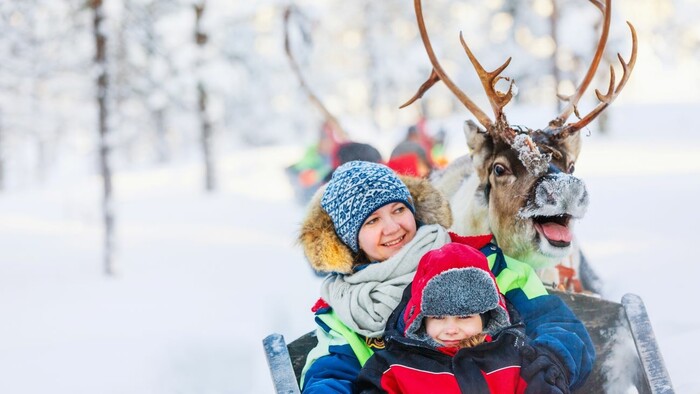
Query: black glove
point(542, 371)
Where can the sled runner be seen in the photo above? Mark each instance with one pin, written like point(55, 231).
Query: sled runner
point(621, 332)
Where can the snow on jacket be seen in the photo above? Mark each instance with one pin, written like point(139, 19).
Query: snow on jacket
point(334, 364)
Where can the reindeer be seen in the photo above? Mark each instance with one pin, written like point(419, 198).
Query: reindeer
point(518, 182)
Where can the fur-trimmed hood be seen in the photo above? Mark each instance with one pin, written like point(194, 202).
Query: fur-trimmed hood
point(327, 253)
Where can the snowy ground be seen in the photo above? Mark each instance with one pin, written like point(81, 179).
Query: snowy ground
point(202, 279)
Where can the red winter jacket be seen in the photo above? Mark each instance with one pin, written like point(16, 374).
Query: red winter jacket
point(412, 366)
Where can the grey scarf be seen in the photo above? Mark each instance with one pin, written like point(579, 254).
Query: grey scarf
point(364, 300)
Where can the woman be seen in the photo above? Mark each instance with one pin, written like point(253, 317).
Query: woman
point(369, 231)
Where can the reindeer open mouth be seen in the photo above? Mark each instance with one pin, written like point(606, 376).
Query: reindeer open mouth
point(555, 229)
point(554, 201)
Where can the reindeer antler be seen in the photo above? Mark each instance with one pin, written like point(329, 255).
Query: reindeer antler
point(528, 152)
point(581, 89)
point(557, 124)
point(438, 74)
point(297, 70)
point(498, 129)
point(497, 99)
point(612, 93)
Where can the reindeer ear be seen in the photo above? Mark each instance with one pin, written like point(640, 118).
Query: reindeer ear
point(480, 147)
point(475, 136)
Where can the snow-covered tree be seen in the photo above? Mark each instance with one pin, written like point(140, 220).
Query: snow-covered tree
point(102, 85)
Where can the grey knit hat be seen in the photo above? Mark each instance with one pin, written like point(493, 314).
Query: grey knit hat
point(460, 292)
point(356, 190)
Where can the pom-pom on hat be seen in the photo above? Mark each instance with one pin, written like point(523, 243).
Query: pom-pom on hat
point(357, 189)
point(454, 280)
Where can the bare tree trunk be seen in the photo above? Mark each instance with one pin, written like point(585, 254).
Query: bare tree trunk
point(556, 73)
point(202, 98)
point(157, 110)
point(162, 148)
point(102, 90)
point(371, 11)
point(2, 154)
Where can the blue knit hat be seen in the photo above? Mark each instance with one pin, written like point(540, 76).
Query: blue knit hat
point(356, 190)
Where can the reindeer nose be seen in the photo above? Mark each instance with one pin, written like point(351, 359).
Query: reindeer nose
point(564, 192)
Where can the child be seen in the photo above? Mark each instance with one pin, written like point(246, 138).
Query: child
point(369, 230)
point(457, 335)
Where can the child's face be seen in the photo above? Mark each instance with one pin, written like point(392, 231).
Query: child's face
point(386, 231)
point(450, 330)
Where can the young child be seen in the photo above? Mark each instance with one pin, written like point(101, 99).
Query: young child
point(452, 336)
point(369, 229)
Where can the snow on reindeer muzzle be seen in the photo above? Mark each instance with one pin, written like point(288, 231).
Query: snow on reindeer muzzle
point(555, 200)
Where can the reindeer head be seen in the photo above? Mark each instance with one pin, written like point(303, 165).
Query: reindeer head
point(527, 190)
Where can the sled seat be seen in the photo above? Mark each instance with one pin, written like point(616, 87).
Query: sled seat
point(620, 331)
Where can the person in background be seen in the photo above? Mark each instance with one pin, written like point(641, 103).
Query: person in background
point(325, 155)
point(437, 152)
point(419, 154)
point(350, 151)
point(419, 135)
point(368, 229)
point(450, 334)
point(315, 166)
point(409, 158)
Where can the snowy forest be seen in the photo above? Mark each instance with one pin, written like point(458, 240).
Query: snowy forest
point(147, 227)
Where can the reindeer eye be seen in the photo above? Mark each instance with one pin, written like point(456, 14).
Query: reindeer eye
point(571, 168)
point(499, 169)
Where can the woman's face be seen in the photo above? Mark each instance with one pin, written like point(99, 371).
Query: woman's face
point(386, 231)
